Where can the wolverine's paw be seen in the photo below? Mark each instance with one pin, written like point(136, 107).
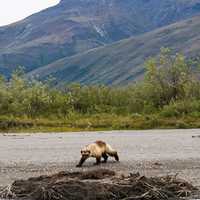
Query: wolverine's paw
point(116, 157)
point(95, 164)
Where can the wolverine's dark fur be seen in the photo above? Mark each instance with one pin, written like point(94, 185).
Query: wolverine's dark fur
point(100, 143)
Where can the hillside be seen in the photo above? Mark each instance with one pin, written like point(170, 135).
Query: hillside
point(75, 26)
point(123, 61)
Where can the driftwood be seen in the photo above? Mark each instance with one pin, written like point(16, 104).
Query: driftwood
point(98, 185)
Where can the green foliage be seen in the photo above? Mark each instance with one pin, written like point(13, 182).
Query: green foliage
point(169, 89)
point(181, 108)
point(170, 78)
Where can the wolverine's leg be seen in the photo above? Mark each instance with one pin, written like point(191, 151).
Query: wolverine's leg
point(98, 160)
point(83, 159)
point(105, 157)
point(115, 155)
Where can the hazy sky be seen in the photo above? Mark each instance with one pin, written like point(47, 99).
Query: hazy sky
point(14, 10)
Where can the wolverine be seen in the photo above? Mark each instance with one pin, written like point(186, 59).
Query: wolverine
point(97, 150)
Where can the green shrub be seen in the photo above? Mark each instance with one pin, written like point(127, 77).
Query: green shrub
point(169, 88)
point(181, 108)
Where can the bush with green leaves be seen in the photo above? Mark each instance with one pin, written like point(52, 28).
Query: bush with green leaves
point(170, 87)
point(170, 78)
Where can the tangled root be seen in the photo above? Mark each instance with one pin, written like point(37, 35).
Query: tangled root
point(99, 184)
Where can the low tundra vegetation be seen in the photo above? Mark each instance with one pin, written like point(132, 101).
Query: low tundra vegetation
point(167, 97)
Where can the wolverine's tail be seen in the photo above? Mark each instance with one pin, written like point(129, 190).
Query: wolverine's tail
point(111, 152)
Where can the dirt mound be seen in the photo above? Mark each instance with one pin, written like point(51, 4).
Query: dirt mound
point(98, 185)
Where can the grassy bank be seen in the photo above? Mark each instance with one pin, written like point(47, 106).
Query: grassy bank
point(97, 123)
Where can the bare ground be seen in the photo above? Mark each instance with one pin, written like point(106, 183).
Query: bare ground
point(152, 153)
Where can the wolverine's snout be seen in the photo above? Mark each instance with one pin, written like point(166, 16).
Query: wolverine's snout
point(85, 152)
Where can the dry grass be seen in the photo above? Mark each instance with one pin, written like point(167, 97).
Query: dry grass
point(97, 123)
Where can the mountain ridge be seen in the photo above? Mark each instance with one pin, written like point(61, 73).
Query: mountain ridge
point(123, 61)
point(76, 26)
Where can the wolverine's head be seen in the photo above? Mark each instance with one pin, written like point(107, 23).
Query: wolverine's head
point(85, 152)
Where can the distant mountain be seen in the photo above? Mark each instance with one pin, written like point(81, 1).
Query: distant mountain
point(75, 26)
point(123, 61)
